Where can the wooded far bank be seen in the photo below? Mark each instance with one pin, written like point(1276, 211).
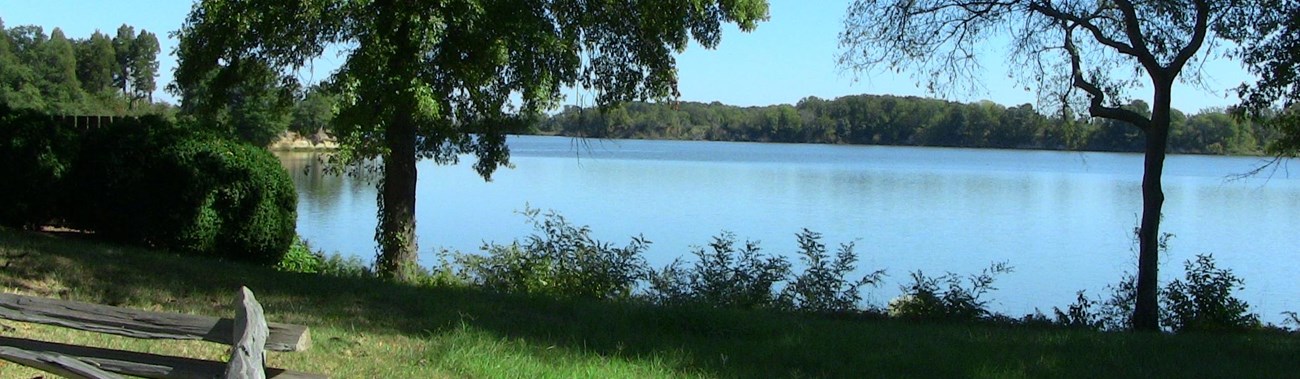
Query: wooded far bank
point(905, 121)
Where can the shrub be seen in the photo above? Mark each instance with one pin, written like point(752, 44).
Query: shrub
point(252, 199)
point(1080, 314)
point(926, 298)
point(1117, 310)
point(559, 259)
point(722, 276)
point(1203, 301)
point(117, 183)
point(37, 155)
point(150, 182)
point(823, 286)
point(337, 265)
point(300, 258)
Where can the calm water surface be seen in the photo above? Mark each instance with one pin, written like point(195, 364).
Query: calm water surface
point(1064, 220)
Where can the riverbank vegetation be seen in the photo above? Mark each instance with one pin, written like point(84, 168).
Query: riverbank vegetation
point(367, 327)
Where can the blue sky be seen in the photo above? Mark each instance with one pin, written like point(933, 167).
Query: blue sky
point(788, 58)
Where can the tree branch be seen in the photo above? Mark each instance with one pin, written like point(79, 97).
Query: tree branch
point(1046, 9)
point(1133, 29)
point(1097, 97)
point(1198, 38)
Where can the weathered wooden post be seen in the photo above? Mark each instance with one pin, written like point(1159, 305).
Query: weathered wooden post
point(246, 355)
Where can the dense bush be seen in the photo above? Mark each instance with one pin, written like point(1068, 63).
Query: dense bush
point(252, 200)
point(722, 276)
point(1203, 301)
point(118, 187)
point(150, 182)
point(946, 297)
point(824, 286)
point(559, 259)
point(36, 156)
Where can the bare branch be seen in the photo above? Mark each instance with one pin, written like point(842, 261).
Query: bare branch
point(1046, 9)
point(1097, 96)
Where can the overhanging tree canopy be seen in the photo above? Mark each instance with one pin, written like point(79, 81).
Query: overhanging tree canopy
point(425, 79)
point(1268, 42)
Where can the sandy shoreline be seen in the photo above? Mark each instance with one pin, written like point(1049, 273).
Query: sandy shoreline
point(291, 141)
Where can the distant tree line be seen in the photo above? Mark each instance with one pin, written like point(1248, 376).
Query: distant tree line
point(906, 121)
point(97, 75)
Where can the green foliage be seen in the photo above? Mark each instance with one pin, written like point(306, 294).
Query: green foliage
point(314, 112)
point(245, 102)
point(562, 260)
point(113, 186)
point(300, 258)
point(249, 203)
point(559, 259)
point(337, 265)
point(122, 49)
point(37, 156)
point(63, 75)
point(148, 181)
point(1200, 302)
point(823, 286)
point(1264, 40)
point(947, 297)
point(1287, 123)
point(1203, 301)
point(722, 276)
point(144, 66)
point(96, 62)
point(57, 65)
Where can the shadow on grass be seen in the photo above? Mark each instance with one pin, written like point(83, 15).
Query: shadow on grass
point(705, 342)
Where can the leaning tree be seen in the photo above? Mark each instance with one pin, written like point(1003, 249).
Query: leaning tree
point(434, 79)
point(1074, 51)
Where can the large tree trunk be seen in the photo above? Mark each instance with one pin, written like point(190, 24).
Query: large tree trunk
point(1146, 313)
point(396, 234)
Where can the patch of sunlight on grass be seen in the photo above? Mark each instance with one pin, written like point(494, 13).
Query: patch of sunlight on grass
point(469, 351)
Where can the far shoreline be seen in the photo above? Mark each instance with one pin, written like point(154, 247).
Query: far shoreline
point(322, 142)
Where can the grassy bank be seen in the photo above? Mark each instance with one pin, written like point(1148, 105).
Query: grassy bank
point(367, 328)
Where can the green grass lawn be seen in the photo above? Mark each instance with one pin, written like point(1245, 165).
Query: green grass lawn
point(369, 328)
